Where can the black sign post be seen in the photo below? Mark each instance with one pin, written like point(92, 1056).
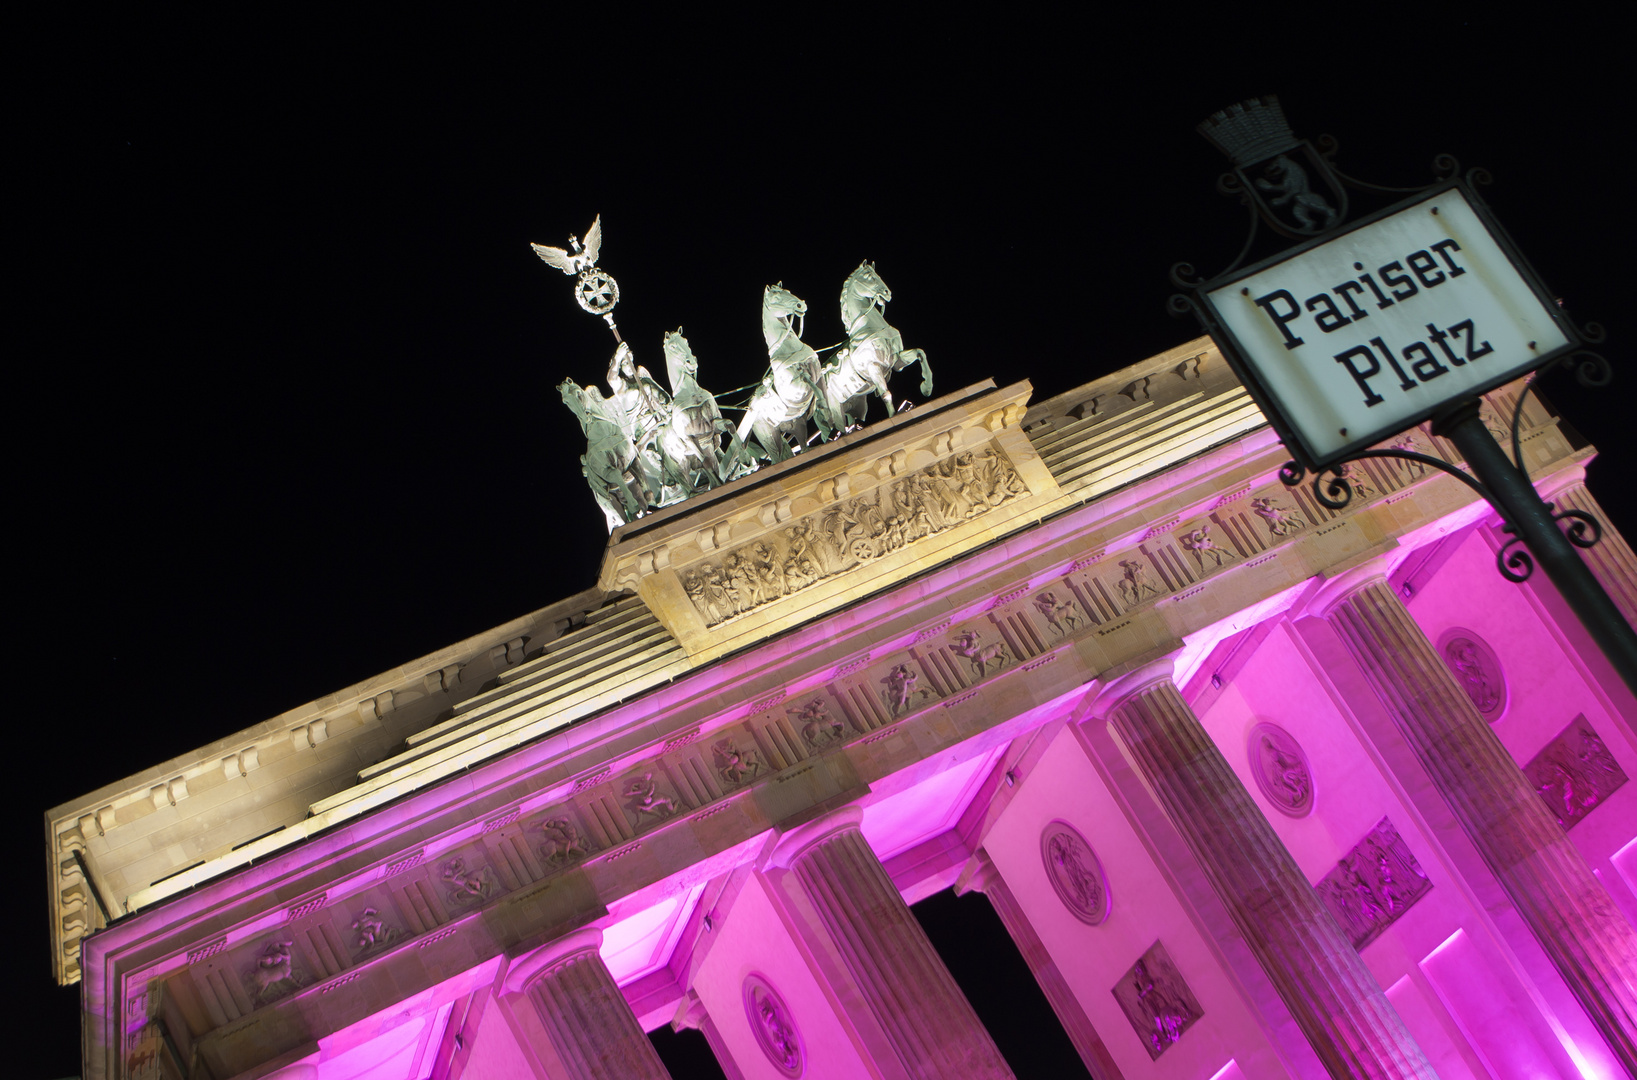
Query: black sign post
point(1358, 332)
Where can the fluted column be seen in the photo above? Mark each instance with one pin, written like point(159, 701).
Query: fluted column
point(1611, 559)
point(693, 1014)
point(986, 879)
point(908, 990)
point(1328, 989)
point(1571, 914)
point(593, 1033)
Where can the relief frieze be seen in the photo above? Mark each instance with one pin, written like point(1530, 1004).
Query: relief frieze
point(848, 534)
point(1575, 773)
point(1373, 884)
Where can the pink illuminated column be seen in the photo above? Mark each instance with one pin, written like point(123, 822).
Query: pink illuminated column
point(1330, 992)
point(1570, 913)
point(1611, 559)
point(593, 1034)
point(887, 958)
point(693, 1014)
point(986, 879)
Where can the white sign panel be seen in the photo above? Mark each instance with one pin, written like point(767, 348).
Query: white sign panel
point(1360, 337)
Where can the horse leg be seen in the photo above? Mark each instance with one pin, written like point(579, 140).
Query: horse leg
point(910, 356)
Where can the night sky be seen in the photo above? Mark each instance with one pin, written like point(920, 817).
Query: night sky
point(286, 416)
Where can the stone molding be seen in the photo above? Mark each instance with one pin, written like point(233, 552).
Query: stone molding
point(526, 969)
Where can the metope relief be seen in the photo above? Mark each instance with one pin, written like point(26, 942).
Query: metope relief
point(275, 974)
point(644, 800)
point(564, 843)
point(1075, 872)
point(1279, 766)
point(1574, 773)
point(774, 1028)
point(1157, 1001)
point(371, 933)
point(1372, 885)
point(1474, 666)
point(852, 532)
point(734, 765)
point(818, 727)
point(468, 886)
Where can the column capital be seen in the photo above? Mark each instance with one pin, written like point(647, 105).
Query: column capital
point(797, 841)
point(1337, 588)
point(1123, 688)
point(978, 875)
point(524, 970)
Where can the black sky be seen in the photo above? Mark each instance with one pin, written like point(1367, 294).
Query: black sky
point(286, 415)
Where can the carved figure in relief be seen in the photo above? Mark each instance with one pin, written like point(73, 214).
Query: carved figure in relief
point(1410, 444)
point(466, 885)
point(873, 352)
point(1594, 756)
point(274, 973)
point(1085, 886)
point(900, 688)
point(1134, 583)
point(1281, 520)
point(563, 842)
point(1200, 543)
point(735, 765)
point(1059, 614)
point(372, 930)
point(1364, 895)
point(780, 1039)
point(818, 727)
point(1167, 1016)
point(1574, 773)
point(644, 798)
point(966, 644)
point(1289, 774)
point(1357, 480)
point(1469, 666)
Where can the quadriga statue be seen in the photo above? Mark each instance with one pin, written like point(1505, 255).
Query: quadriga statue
point(781, 406)
point(692, 441)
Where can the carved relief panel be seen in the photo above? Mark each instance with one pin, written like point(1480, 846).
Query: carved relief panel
point(1574, 773)
point(1374, 884)
point(1475, 667)
point(1075, 872)
point(773, 1026)
point(1280, 768)
point(1157, 1001)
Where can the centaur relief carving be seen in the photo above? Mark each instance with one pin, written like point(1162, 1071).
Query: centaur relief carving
point(851, 533)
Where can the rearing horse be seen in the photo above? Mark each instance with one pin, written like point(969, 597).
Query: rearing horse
point(874, 350)
point(690, 441)
point(780, 406)
point(610, 461)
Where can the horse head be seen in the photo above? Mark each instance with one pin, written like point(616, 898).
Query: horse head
point(680, 362)
point(781, 303)
point(865, 284)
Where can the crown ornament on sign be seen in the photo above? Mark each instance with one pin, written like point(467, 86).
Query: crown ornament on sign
point(1251, 131)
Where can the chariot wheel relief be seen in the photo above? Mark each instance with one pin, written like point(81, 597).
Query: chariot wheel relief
point(597, 292)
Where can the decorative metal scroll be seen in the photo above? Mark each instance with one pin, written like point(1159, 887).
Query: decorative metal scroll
point(1157, 1001)
point(1372, 885)
point(773, 1026)
point(1575, 773)
point(1075, 872)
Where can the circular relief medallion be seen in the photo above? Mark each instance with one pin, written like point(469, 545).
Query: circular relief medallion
point(1075, 872)
point(775, 1031)
point(1473, 663)
point(1280, 768)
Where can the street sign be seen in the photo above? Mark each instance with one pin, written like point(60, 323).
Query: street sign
point(1349, 340)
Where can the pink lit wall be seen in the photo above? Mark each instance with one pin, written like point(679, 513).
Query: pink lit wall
point(1066, 785)
point(756, 938)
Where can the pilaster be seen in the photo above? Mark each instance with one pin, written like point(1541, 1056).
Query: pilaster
point(1330, 992)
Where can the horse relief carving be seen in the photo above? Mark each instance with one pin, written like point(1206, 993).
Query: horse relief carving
point(1060, 615)
point(980, 656)
point(274, 975)
point(852, 532)
point(734, 765)
point(818, 728)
